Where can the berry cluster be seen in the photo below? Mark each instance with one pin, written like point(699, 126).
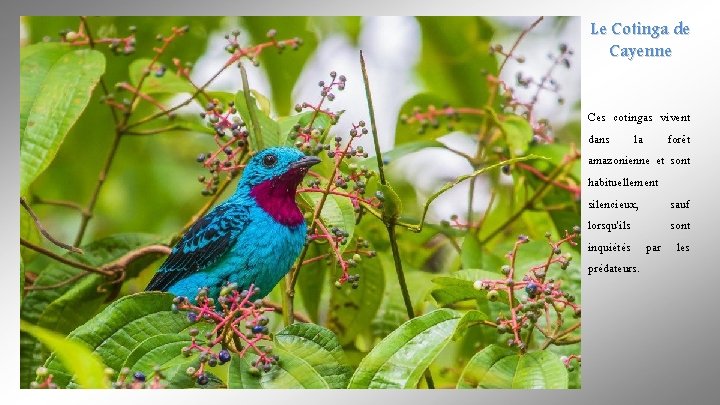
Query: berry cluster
point(230, 135)
point(541, 127)
point(252, 53)
point(432, 117)
point(310, 137)
point(44, 379)
point(119, 46)
point(138, 379)
point(229, 314)
point(568, 359)
point(541, 293)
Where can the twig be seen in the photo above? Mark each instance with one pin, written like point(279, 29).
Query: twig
point(44, 232)
point(517, 42)
point(389, 222)
point(64, 260)
point(56, 285)
point(278, 308)
point(125, 260)
point(91, 44)
point(58, 203)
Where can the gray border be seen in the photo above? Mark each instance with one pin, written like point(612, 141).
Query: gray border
point(641, 361)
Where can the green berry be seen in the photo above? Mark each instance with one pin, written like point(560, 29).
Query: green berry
point(492, 295)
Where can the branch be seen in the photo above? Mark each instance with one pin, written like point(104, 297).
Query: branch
point(64, 260)
point(278, 308)
point(44, 232)
point(390, 222)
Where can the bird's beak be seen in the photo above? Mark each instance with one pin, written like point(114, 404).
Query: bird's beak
point(304, 162)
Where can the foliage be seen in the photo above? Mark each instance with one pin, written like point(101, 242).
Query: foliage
point(387, 292)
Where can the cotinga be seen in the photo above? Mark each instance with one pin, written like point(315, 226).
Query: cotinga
point(251, 238)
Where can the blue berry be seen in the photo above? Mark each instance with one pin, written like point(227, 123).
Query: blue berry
point(224, 356)
point(531, 289)
point(257, 329)
point(139, 376)
point(192, 316)
point(203, 379)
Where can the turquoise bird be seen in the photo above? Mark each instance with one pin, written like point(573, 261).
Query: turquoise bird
point(251, 238)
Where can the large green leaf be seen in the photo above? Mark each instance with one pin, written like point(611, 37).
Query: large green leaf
point(55, 87)
point(65, 307)
point(518, 134)
point(269, 128)
point(164, 351)
point(337, 211)
point(458, 286)
point(471, 254)
point(353, 310)
point(291, 372)
point(455, 58)
point(312, 282)
point(283, 69)
point(169, 82)
point(76, 356)
point(400, 359)
point(320, 348)
point(401, 150)
point(30, 233)
point(500, 367)
point(123, 326)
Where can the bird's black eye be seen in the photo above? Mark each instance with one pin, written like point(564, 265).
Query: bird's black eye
point(269, 160)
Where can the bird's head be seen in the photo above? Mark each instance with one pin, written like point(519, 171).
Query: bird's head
point(271, 177)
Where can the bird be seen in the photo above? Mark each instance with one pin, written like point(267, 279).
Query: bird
point(251, 239)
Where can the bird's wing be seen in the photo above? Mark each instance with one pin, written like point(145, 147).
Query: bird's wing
point(202, 245)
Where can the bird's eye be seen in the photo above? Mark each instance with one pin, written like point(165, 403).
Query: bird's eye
point(269, 160)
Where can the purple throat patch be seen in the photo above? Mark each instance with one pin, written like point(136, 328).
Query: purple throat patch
point(277, 197)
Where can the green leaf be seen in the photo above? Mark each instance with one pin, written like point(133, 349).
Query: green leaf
point(312, 281)
point(518, 134)
point(337, 211)
point(458, 286)
point(240, 377)
point(271, 135)
point(163, 351)
point(471, 252)
point(353, 310)
point(455, 58)
point(30, 233)
point(291, 372)
point(320, 348)
point(392, 205)
point(55, 87)
point(76, 356)
point(282, 68)
point(121, 327)
point(500, 367)
point(167, 83)
point(65, 307)
point(401, 150)
point(400, 359)
point(320, 122)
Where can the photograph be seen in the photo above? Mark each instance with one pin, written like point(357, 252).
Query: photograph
point(281, 202)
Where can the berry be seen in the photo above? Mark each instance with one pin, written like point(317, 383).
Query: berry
point(190, 371)
point(254, 371)
point(192, 316)
point(492, 295)
point(224, 356)
point(257, 329)
point(139, 376)
point(203, 379)
point(41, 372)
point(478, 285)
point(531, 289)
